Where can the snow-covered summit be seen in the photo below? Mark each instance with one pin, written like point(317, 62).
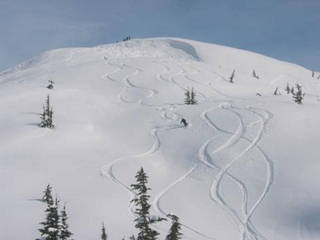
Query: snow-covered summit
point(246, 167)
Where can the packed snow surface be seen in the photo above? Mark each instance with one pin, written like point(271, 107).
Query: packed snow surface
point(246, 167)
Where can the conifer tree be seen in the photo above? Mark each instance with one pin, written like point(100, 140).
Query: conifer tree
point(50, 227)
point(192, 97)
point(255, 74)
point(187, 99)
point(43, 122)
point(103, 234)
point(50, 86)
point(232, 76)
point(143, 220)
point(65, 234)
point(288, 88)
point(175, 229)
point(47, 195)
point(292, 90)
point(47, 115)
point(298, 95)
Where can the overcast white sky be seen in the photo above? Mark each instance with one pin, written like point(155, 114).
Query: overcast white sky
point(285, 29)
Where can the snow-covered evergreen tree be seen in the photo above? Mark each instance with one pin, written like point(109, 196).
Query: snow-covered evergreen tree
point(141, 202)
point(288, 88)
point(254, 74)
point(298, 95)
point(50, 86)
point(175, 229)
point(276, 92)
point(50, 227)
point(47, 115)
point(103, 233)
point(292, 90)
point(190, 97)
point(65, 234)
point(193, 97)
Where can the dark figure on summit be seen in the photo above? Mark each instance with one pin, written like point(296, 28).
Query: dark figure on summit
point(184, 122)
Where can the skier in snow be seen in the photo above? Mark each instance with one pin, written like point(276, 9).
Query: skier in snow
point(184, 122)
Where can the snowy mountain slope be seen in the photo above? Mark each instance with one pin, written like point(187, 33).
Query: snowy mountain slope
point(245, 168)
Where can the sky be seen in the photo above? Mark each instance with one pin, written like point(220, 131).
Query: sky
point(288, 30)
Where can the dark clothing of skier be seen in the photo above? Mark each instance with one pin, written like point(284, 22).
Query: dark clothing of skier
point(184, 122)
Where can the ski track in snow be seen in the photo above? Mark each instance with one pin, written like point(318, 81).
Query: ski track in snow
point(245, 224)
point(246, 227)
point(107, 170)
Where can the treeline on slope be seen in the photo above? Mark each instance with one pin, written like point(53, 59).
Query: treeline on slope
point(46, 117)
point(296, 92)
point(55, 226)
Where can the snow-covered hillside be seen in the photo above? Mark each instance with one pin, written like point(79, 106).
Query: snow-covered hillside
point(247, 166)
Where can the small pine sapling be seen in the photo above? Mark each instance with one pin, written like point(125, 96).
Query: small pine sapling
point(103, 234)
point(292, 90)
point(232, 76)
point(288, 88)
point(276, 92)
point(65, 234)
point(193, 97)
point(298, 95)
point(51, 225)
point(142, 207)
point(187, 99)
point(175, 229)
point(50, 86)
point(46, 116)
point(255, 74)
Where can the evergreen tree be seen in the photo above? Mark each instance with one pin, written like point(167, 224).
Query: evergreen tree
point(232, 76)
point(50, 86)
point(288, 88)
point(47, 195)
point(175, 229)
point(50, 227)
point(143, 220)
point(103, 234)
point(292, 90)
point(192, 97)
point(298, 95)
point(65, 234)
point(187, 99)
point(276, 92)
point(255, 74)
point(47, 115)
point(43, 122)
